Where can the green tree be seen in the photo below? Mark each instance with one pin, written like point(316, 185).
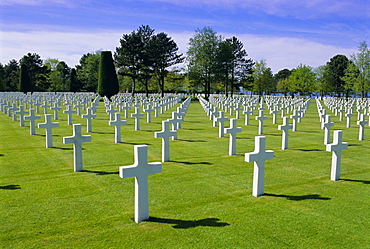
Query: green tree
point(334, 71)
point(362, 61)
point(320, 83)
point(174, 81)
point(88, 70)
point(302, 80)
point(201, 56)
point(73, 82)
point(351, 78)
point(281, 78)
point(24, 80)
point(232, 63)
point(129, 58)
point(39, 73)
point(2, 73)
point(10, 77)
point(164, 52)
point(263, 81)
point(108, 82)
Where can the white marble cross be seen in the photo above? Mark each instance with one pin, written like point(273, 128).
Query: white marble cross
point(349, 114)
point(327, 126)
point(12, 111)
point(295, 118)
point(247, 112)
point(175, 122)
point(148, 111)
point(56, 109)
point(260, 119)
point(111, 111)
point(117, 123)
point(259, 156)
point(45, 106)
point(165, 134)
point(141, 169)
point(77, 139)
point(238, 108)
point(285, 128)
point(78, 106)
point(32, 117)
point(126, 107)
point(274, 113)
point(221, 119)
point(336, 147)
point(362, 122)
point(137, 116)
point(48, 125)
point(21, 114)
point(89, 117)
point(232, 130)
point(69, 111)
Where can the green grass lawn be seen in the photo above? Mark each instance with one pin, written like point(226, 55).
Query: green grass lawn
point(203, 197)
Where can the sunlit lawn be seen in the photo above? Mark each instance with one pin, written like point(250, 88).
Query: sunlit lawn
point(202, 198)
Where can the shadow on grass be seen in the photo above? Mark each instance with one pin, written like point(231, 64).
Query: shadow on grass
point(2, 155)
point(10, 187)
point(40, 135)
point(103, 133)
point(60, 148)
point(190, 163)
point(351, 180)
point(101, 172)
point(300, 197)
point(192, 141)
point(134, 143)
point(184, 224)
point(193, 129)
point(308, 150)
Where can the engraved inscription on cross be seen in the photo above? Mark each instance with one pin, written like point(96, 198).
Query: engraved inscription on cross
point(141, 169)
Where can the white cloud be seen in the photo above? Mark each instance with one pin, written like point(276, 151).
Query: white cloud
point(279, 52)
point(297, 9)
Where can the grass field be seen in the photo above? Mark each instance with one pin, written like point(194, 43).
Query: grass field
point(203, 197)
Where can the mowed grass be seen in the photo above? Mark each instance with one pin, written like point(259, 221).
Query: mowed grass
point(202, 198)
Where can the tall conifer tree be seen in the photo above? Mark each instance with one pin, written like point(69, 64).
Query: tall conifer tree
point(107, 82)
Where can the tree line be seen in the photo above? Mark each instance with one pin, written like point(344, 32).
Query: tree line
point(149, 62)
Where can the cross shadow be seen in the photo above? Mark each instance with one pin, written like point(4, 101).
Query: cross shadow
point(10, 187)
point(2, 155)
point(60, 148)
point(134, 143)
point(351, 180)
point(102, 133)
point(189, 163)
point(185, 224)
point(192, 141)
point(101, 172)
point(300, 197)
point(307, 149)
point(274, 135)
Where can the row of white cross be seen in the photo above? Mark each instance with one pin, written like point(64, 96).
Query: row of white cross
point(141, 169)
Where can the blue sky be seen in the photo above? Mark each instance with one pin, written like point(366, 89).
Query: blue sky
point(283, 32)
